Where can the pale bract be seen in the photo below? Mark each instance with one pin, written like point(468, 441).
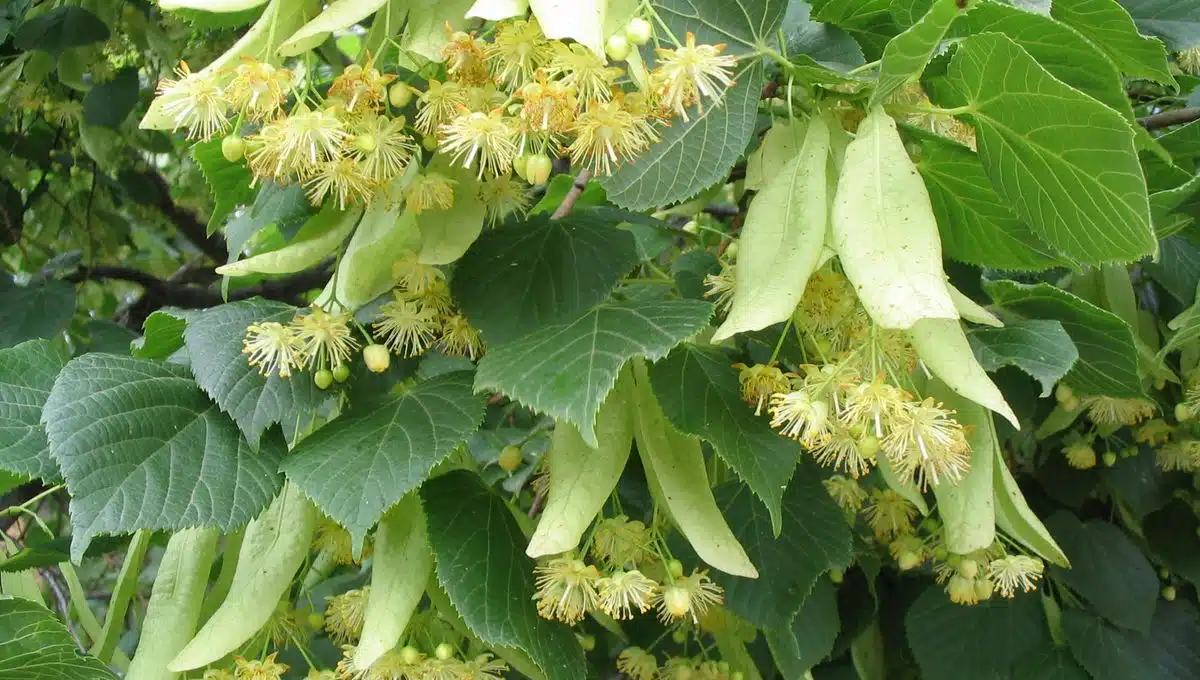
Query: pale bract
point(943, 348)
point(338, 15)
point(885, 232)
point(779, 145)
point(782, 239)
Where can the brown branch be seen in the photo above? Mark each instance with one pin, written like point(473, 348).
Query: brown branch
point(573, 195)
point(188, 225)
point(1169, 118)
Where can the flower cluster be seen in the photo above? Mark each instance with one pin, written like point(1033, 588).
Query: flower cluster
point(640, 664)
point(409, 663)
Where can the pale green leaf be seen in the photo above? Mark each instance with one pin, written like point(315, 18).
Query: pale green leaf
point(141, 447)
point(497, 10)
point(905, 55)
point(35, 645)
point(425, 33)
point(1186, 327)
point(781, 238)
point(814, 539)
point(362, 463)
point(972, 311)
point(906, 488)
point(967, 508)
point(35, 311)
point(1108, 357)
point(365, 271)
point(699, 393)
point(1175, 21)
point(525, 275)
point(1039, 347)
point(218, 6)
point(319, 238)
point(1111, 28)
point(566, 369)
point(336, 16)
point(1047, 166)
point(446, 234)
point(692, 155)
point(214, 343)
point(579, 20)
point(885, 232)
point(1015, 518)
point(27, 373)
point(977, 226)
point(481, 564)
point(943, 348)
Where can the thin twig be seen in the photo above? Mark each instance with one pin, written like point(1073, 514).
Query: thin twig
point(573, 195)
point(1169, 118)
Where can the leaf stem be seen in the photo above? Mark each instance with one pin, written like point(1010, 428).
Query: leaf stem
point(779, 343)
point(931, 110)
point(123, 592)
point(863, 67)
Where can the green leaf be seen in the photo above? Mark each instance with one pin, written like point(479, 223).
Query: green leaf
point(1186, 326)
point(742, 24)
point(810, 635)
point(905, 55)
point(1178, 268)
point(815, 538)
point(565, 370)
point(1060, 49)
point(692, 155)
point(1110, 653)
point(828, 45)
point(1172, 534)
point(214, 343)
point(1017, 519)
point(229, 184)
point(869, 21)
point(525, 275)
point(446, 234)
point(283, 205)
point(1175, 21)
point(162, 336)
point(1110, 27)
point(141, 447)
point(35, 645)
point(1108, 570)
point(362, 463)
point(1183, 142)
point(36, 311)
point(1047, 165)
point(59, 29)
point(1107, 363)
point(482, 566)
point(977, 226)
point(986, 640)
point(698, 390)
point(27, 373)
point(109, 103)
point(106, 336)
point(1053, 664)
point(1040, 347)
point(338, 15)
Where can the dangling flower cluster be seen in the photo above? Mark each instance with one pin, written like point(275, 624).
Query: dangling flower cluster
point(977, 576)
point(258, 669)
point(345, 614)
point(568, 588)
point(421, 314)
point(1116, 411)
point(638, 664)
point(317, 339)
point(409, 663)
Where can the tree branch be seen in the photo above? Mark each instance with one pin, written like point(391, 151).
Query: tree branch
point(573, 195)
point(1169, 118)
point(188, 225)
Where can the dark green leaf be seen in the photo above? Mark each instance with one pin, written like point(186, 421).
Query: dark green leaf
point(141, 447)
point(741, 24)
point(1110, 27)
point(699, 393)
point(229, 183)
point(810, 636)
point(218, 20)
point(36, 311)
point(869, 21)
point(35, 645)
point(1183, 143)
point(827, 45)
point(1107, 569)
point(1047, 166)
point(1175, 21)
point(1040, 347)
point(162, 336)
point(1178, 268)
point(1168, 652)
point(106, 336)
point(49, 552)
point(977, 226)
point(1186, 327)
point(59, 29)
point(522, 276)
point(214, 342)
point(1107, 363)
point(481, 564)
point(27, 373)
point(983, 641)
point(565, 370)
point(362, 463)
point(10, 15)
point(108, 103)
point(1140, 483)
point(905, 55)
point(1053, 664)
point(815, 538)
point(1172, 536)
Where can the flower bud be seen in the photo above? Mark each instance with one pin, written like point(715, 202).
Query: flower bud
point(233, 148)
point(537, 168)
point(510, 458)
point(444, 651)
point(323, 378)
point(617, 47)
point(638, 31)
point(675, 568)
point(341, 373)
point(409, 655)
point(399, 95)
point(377, 358)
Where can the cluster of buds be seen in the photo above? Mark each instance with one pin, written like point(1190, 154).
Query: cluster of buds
point(411, 663)
point(639, 664)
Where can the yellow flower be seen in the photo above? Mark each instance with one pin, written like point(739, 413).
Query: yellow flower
point(430, 190)
point(547, 107)
point(460, 339)
point(362, 87)
point(437, 104)
point(436, 297)
point(217, 674)
point(1016, 571)
point(828, 298)
point(1116, 411)
point(65, 111)
point(484, 667)
point(298, 144)
point(258, 89)
point(502, 196)
point(927, 445)
point(341, 179)
point(195, 101)
point(417, 278)
point(274, 348)
point(284, 627)
point(518, 49)
point(720, 286)
point(690, 73)
point(841, 452)
point(344, 614)
point(637, 663)
point(889, 514)
point(1154, 432)
point(624, 591)
point(618, 541)
point(908, 550)
point(266, 669)
point(1189, 60)
point(407, 327)
point(334, 540)
point(759, 382)
point(382, 148)
point(690, 596)
point(798, 415)
point(314, 674)
point(968, 591)
point(874, 405)
point(1080, 455)
point(584, 70)
point(845, 492)
point(606, 134)
point(487, 138)
point(484, 98)
point(1183, 455)
point(566, 589)
point(464, 57)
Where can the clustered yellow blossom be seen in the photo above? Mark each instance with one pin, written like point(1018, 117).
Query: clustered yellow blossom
point(640, 664)
point(409, 663)
point(975, 577)
point(317, 339)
